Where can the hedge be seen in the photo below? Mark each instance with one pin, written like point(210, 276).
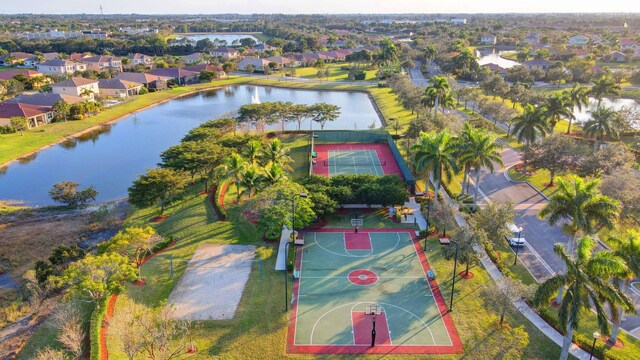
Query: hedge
point(216, 202)
point(95, 324)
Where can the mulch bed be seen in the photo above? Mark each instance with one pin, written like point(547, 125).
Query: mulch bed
point(618, 345)
point(140, 282)
point(466, 276)
point(318, 224)
point(159, 218)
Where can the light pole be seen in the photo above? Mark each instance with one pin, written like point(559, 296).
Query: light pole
point(453, 281)
point(286, 247)
point(596, 335)
point(518, 247)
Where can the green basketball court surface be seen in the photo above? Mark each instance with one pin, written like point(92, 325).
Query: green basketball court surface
point(342, 274)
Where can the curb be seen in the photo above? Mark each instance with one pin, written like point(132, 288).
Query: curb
point(506, 175)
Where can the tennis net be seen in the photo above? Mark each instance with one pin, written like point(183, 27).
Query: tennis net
point(355, 163)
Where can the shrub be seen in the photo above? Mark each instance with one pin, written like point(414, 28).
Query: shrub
point(219, 207)
point(424, 232)
point(382, 84)
point(95, 323)
point(291, 257)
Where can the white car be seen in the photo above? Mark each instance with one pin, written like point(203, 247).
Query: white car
point(516, 238)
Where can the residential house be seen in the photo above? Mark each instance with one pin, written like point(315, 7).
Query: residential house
point(102, 63)
point(263, 47)
point(225, 53)
point(616, 56)
point(77, 86)
point(280, 60)
point(181, 75)
point(201, 67)
point(459, 21)
point(35, 115)
point(628, 44)
point(15, 58)
point(60, 66)
point(195, 58)
point(139, 59)
point(258, 64)
point(118, 88)
point(532, 38)
point(11, 73)
point(578, 40)
point(46, 99)
point(537, 64)
point(495, 68)
point(150, 81)
point(78, 57)
point(488, 39)
point(50, 56)
point(301, 60)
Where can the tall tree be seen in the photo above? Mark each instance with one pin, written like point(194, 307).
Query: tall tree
point(604, 121)
point(275, 153)
point(583, 206)
point(586, 283)
point(323, 112)
point(605, 87)
point(557, 107)
point(528, 126)
point(579, 96)
point(157, 185)
point(62, 109)
point(19, 123)
point(134, 243)
point(481, 151)
point(231, 170)
point(627, 248)
point(434, 154)
point(436, 92)
point(553, 153)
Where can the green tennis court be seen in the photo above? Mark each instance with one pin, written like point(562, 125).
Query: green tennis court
point(343, 275)
point(354, 162)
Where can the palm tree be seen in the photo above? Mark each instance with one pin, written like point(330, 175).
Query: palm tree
point(464, 139)
point(481, 151)
point(586, 283)
point(528, 126)
point(252, 151)
point(231, 170)
point(275, 153)
point(273, 174)
point(579, 96)
point(604, 121)
point(605, 87)
point(628, 249)
point(582, 204)
point(522, 56)
point(250, 180)
point(558, 106)
point(437, 92)
point(435, 155)
point(464, 60)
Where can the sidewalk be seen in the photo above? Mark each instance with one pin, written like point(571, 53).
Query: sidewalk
point(498, 278)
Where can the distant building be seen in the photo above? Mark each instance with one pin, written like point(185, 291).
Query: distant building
point(258, 64)
point(537, 64)
point(578, 40)
point(202, 67)
point(280, 60)
point(77, 86)
point(118, 88)
point(15, 58)
point(60, 66)
point(195, 58)
point(263, 47)
point(616, 56)
point(132, 31)
point(139, 59)
point(55, 34)
point(488, 39)
point(102, 62)
point(495, 68)
point(46, 99)
point(148, 80)
point(532, 38)
point(628, 44)
point(10, 73)
point(225, 53)
point(458, 21)
point(181, 75)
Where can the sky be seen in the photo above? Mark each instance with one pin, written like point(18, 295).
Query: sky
point(314, 6)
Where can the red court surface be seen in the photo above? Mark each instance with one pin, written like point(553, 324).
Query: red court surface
point(382, 150)
point(357, 241)
point(362, 325)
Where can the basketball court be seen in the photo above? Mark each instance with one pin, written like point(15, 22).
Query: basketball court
point(338, 159)
point(350, 280)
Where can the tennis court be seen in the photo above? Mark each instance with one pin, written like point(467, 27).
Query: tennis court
point(348, 279)
point(338, 159)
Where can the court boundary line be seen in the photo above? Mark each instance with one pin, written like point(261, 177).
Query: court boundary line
point(385, 320)
point(455, 348)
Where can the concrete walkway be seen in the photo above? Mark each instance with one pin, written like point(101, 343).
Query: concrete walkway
point(498, 278)
point(281, 262)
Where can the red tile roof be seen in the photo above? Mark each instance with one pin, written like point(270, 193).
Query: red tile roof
point(9, 74)
point(9, 110)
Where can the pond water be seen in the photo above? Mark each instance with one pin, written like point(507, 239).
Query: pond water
point(582, 116)
point(229, 38)
point(492, 56)
point(110, 159)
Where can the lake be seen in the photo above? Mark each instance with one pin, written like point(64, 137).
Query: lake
point(229, 38)
point(492, 56)
point(582, 116)
point(112, 158)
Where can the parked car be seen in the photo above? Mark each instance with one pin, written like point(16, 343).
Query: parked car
point(516, 237)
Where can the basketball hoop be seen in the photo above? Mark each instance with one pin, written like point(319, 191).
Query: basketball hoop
point(356, 223)
point(373, 311)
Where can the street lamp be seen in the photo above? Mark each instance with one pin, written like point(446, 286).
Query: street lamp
point(596, 335)
point(453, 281)
point(286, 247)
point(518, 247)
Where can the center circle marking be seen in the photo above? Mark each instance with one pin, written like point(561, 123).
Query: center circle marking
point(363, 277)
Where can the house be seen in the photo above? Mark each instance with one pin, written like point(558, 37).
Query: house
point(60, 66)
point(50, 56)
point(537, 64)
point(11, 73)
point(225, 53)
point(488, 39)
point(301, 60)
point(139, 59)
point(578, 40)
point(495, 68)
point(150, 81)
point(263, 47)
point(459, 21)
point(15, 58)
point(628, 44)
point(78, 57)
point(616, 56)
point(532, 38)
point(280, 60)
point(46, 99)
point(201, 67)
point(102, 63)
point(118, 88)
point(77, 86)
point(35, 115)
point(258, 64)
point(181, 75)
point(195, 58)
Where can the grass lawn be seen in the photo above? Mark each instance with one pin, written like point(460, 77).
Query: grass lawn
point(507, 257)
point(298, 145)
point(539, 179)
point(13, 145)
point(336, 73)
